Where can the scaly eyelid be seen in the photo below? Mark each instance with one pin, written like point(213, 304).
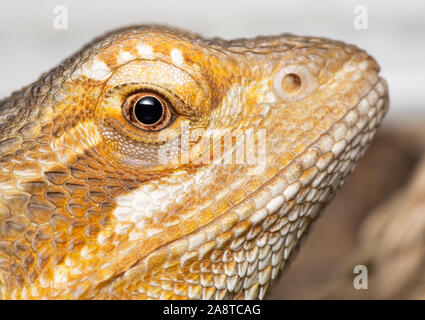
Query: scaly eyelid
point(166, 78)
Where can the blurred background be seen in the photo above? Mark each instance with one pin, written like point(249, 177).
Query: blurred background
point(348, 233)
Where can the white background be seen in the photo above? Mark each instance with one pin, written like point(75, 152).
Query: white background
point(30, 45)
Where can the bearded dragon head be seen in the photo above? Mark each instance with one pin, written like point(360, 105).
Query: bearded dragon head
point(157, 164)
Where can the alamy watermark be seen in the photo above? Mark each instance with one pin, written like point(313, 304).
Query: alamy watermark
point(60, 17)
point(360, 281)
point(360, 21)
point(216, 146)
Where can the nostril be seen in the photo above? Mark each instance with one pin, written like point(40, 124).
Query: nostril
point(291, 83)
point(294, 82)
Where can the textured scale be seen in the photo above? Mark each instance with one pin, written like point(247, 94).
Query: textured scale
point(88, 209)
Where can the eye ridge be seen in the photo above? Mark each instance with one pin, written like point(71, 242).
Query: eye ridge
point(147, 110)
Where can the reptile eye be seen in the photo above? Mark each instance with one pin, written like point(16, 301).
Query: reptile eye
point(147, 110)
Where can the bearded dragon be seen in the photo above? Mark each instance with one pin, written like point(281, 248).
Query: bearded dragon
point(109, 188)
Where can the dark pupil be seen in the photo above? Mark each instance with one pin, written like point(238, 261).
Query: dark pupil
point(148, 110)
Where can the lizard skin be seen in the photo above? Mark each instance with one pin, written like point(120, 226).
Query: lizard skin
point(89, 211)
